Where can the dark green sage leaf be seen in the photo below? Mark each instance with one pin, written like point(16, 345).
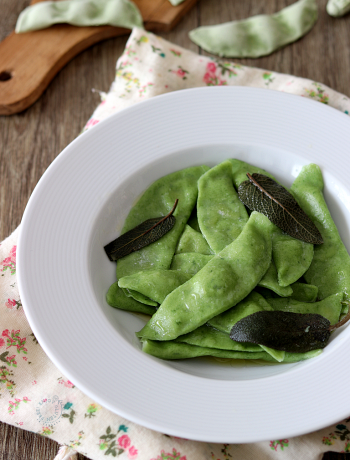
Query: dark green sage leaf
point(144, 234)
point(280, 330)
point(261, 193)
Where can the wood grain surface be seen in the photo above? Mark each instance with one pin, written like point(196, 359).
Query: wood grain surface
point(28, 62)
point(29, 141)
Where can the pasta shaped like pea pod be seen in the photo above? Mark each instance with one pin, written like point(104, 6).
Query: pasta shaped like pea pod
point(330, 307)
point(241, 168)
point(158, 200)
point(221, 214)
point(304, 292)
point(176, 350)
point(207, 336)
point(253, 303)
point(269, 281)
point(192, 241)
point(154, 284)
point(189, 263)
point(259, 35)
point(292, 257)
point(117, 299)
point(223, 282)
point(330, 267)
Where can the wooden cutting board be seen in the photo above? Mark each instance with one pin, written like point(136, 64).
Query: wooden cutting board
point(29, 61)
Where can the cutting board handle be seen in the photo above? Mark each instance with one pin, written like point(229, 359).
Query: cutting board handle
point(29, 61)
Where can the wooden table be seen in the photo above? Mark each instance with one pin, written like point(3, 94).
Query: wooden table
point(31, 140)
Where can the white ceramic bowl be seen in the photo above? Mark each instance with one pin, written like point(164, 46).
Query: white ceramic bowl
point(80, 205)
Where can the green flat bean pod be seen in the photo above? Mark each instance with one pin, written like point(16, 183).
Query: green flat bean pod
point(118, 13)
point(338, 8)
point(223, 282)
point(259, 35)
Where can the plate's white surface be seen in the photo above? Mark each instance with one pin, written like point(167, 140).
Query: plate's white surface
point(79, 206)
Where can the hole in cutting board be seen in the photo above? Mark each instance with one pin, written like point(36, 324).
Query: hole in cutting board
point(5, 75)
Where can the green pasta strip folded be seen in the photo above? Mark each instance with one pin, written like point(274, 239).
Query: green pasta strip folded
point(158, 200)
point(304, 292)
point(330, 267)
point(259, 35)
point(175, 350)
point(221, 214)
point(253, 303)
point(118, 13)
point(117, 299)
point(207, 336)
point(189, 263)
point(330, 307)
point(292, 257)
point(223, 282)
point(270, 281)
point(154, 284)
point(139, 297)
point(192, 241)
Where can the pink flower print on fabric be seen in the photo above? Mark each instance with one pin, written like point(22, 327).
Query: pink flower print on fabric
point(211, 78)
point(92, 122)
point(66, 383)
point(281, 442)
point(180, 72)
point(11, 303)
point(174, 455)
point(9, 263)
point(124, 441)
point(2, 342)
point(175, 53)
point(132, 453)
point(14, 340)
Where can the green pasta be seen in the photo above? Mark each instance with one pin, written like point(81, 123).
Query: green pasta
point(330, 266)
point(222, 283)
point(256, 267)
point(192, 241)
point(221, 214)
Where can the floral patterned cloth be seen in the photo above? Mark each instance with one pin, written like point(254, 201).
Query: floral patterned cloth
point(34, 395)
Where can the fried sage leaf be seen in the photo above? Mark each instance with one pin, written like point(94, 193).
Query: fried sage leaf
point(144, 234)
point(261, 193)
point(292, 332)
point(287, 331)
